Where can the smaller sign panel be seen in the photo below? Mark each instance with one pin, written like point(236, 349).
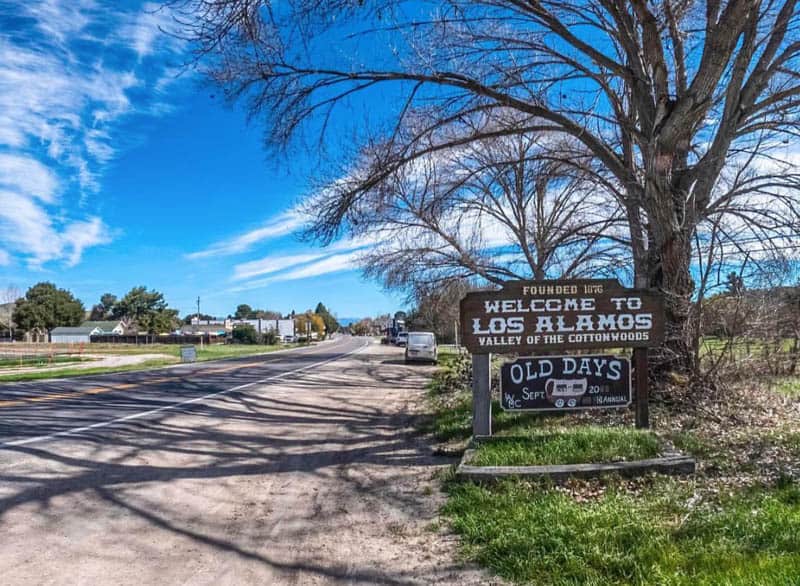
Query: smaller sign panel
point(188, 354)
point(558, 383)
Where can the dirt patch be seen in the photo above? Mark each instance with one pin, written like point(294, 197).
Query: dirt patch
point(92, 361)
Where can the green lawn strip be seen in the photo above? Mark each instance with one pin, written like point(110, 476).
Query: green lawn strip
point(584, 444)
point(42, 360)
point(73, 372)
point(209, 352)
point(146, 365)
point(534, 534)
point(217, 352)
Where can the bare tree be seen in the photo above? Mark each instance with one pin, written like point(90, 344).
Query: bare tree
point(436, 310)
point(511, 207)
point(8, 296)
point(664, 95)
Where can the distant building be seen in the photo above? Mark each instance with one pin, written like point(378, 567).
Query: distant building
point(225, 323)
point(82, 333)
point(284, 328)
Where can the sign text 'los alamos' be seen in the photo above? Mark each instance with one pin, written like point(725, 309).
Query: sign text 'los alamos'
point(527, 316)
point(555, 383)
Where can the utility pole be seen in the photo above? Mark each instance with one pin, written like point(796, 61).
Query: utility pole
point(198, 321)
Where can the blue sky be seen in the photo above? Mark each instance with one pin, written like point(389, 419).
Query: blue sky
point(118, 168)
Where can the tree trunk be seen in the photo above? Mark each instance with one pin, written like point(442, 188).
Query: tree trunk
point(674, 280)
point(671, 227)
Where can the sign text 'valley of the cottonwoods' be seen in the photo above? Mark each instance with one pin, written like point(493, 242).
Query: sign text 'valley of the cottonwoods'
point(526, 316)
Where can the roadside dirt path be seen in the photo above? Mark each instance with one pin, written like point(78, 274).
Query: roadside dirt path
point(95, 361)
point(317, 479)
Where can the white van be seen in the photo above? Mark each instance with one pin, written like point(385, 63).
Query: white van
point(421, 346)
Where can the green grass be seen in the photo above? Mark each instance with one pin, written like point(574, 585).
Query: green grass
point(42, 360)
point(533, 534)
point(545, 446)
point(173, 353)
point(789, 386)
point(73, 372)
point(207, 352)
point(216, 352)
point(610, 532)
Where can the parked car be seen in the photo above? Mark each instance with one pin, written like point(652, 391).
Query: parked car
point(401, 339)
point(422, 347)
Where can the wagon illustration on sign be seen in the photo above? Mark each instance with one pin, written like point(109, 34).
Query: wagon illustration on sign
point(561, 392)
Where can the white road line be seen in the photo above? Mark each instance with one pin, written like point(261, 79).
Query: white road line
point(100, 424)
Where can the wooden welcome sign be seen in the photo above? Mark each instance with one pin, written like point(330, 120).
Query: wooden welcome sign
point(530, 317)
point(526, 317)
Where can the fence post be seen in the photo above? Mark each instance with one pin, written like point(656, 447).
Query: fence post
point(481, 395)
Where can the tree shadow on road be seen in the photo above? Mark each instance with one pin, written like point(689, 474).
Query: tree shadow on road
point(345, 429)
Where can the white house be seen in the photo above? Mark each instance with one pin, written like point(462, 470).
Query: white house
point(82, 333)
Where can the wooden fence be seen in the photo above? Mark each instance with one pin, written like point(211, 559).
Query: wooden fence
point(154, 339)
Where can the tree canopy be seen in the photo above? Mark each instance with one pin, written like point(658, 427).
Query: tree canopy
point(331, 323)
point(302, 320)
point(244, 311)
point(104, 309)
point(46, 307)
point(147, 310)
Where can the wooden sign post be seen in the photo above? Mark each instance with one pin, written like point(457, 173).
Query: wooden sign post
point(527, 317)
point(481, 395)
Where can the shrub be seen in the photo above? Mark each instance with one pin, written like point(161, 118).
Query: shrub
point(245, 334)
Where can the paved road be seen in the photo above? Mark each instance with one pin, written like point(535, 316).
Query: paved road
point(291, 468)
point(32, 411)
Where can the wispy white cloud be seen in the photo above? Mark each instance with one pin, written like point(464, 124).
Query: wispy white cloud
point(26, 226)
point(272, 264)
point(282, 225)
point(78, 236)
point(333, 264)
point(27, 175)
point(145, 32)
point(5, 258)
point(68, 70)
point(329, 263)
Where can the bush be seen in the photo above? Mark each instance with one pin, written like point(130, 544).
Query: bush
point(270, 338)
point(245, 334)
